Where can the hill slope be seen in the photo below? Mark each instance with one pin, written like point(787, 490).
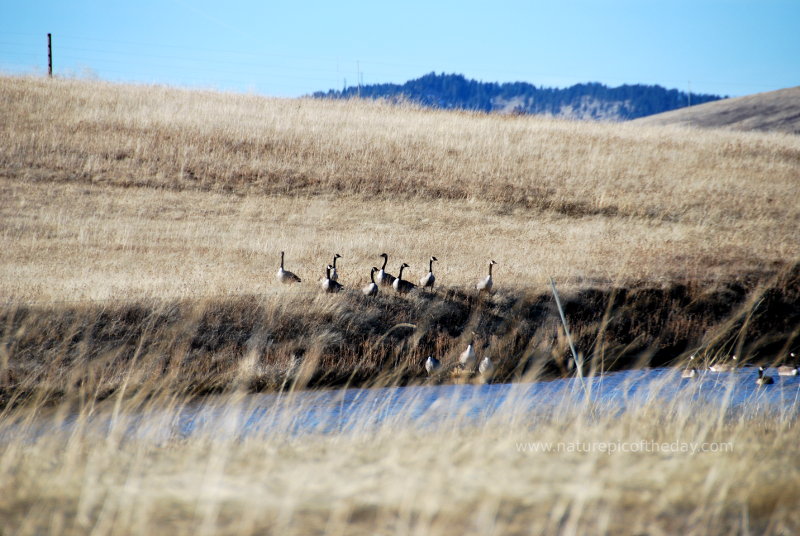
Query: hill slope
point(774, 111)
point(581, 101)
point(114, 190)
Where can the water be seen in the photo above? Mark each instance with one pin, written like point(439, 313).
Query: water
point(350, 410)
point(354, 410)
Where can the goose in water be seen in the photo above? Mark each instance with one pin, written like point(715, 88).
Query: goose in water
point(334, 273)
point(401, 285)
point(690, 372)
point(384, 279)
point(723, 367)
point(328, 284)
point(788, 370)
point(762, 379)
point(485, 284)
point(486, 368)
point(372, 288)
point(432, 365)
point(285, 276)
point(427, 280)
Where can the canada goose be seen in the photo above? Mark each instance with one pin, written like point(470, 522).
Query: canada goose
point(485, 284)
point(432, 365)
point(384, 279)
point(372, 288)
point(401, 285)
point(334, 273)
point(468, 358)
point(690, 372)
point(285, 276)
point(328, 284)
point(763, 380)
point(486, 368)
point(428, 279)
point(788, 370)
point(723, 367)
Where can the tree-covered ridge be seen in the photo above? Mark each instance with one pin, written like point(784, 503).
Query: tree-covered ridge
point(581, 101)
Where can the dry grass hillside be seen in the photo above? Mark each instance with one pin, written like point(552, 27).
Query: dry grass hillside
point(774, 111)
point(117, 192)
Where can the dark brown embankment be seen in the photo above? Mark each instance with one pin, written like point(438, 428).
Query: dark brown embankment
point(258, 343)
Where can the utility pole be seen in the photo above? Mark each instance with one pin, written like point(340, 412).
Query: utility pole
point(49, 56)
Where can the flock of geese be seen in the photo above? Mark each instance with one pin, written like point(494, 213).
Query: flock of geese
point(379, 277)
point(467, 360)
point(762, 379)
point(465, 366)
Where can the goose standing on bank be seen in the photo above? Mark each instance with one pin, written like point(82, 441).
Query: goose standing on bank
point(285, 276)
point(372, 288)
point(334, 273)
point(401, 285)
point(762, 379)
point(429, 279)
point(467, 359)
point(432, 365)
point(485, 284)
point(384, 279)
point(328, 284)
point(788, 370)
point(486, 368)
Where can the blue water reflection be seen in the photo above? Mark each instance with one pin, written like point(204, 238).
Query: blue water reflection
point(348, 410)
point(248, 416)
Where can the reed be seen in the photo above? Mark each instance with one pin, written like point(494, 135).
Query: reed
point(666, 463)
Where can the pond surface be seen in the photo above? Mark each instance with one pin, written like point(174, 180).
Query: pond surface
point(348, 410)
point(424, 406)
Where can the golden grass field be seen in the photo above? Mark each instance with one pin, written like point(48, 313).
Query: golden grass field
point(141, 228)
point(116, 192)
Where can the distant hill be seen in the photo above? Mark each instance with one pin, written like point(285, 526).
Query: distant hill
point(777, 111)
point(581, 101)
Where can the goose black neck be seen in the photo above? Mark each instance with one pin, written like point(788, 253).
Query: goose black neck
point(400, 275)
point(372, 276)
point(430, 266)
point(490, 268)
point(385, 260)
point(334, 261)
point(281, 260)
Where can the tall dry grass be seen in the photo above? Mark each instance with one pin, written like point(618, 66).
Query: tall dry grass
point(124, 466)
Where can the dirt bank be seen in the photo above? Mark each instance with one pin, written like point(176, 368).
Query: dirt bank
point(268, 342)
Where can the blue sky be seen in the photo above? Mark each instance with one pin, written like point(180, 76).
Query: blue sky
point(731, 47)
